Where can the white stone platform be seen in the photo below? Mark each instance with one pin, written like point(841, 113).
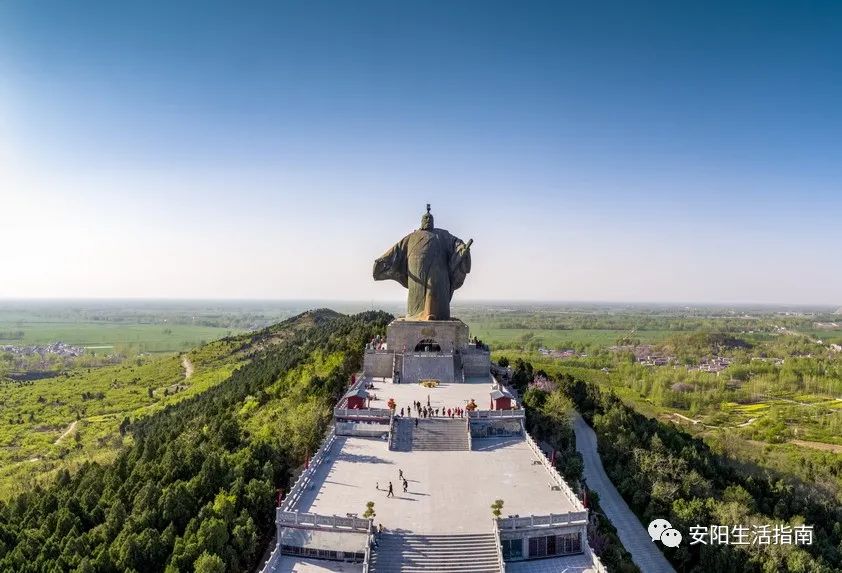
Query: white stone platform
point(446, 395)
point(449, 492)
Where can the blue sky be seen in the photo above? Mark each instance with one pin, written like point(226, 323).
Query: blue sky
point(640, 151)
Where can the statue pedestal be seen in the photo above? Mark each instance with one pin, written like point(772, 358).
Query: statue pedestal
point(420, 349)
point(404, 336)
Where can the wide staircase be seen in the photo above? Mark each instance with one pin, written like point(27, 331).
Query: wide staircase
point(407, 553)
point(440, 434)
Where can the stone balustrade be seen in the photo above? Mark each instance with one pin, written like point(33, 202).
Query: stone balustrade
point(498, 547)
point(305, 478)
point(295, 518)
point(482, 414)
point(551, 520)
point(362, 413)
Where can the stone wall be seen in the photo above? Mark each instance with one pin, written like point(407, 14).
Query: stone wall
point(361, 429)
point(428, 365)
point(378, 364)
point(404, 335)
point(490, 427)
point(476, 363)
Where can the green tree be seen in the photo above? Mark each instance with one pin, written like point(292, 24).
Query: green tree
point(209, 563)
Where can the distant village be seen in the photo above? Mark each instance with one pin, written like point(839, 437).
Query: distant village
point(57, 348)
point(646, 355)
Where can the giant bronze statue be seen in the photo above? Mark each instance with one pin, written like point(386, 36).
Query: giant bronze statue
point(431, 263)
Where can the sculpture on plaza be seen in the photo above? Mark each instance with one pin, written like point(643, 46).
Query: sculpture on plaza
point(431, 263)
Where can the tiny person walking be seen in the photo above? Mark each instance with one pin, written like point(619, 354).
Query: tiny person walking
point(391, 491)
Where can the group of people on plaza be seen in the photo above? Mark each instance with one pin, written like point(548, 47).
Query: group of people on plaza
point(428, 411)
point(390, 490)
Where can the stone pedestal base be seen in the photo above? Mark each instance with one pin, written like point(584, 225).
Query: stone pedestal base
point(435, 349)
point(404, 336)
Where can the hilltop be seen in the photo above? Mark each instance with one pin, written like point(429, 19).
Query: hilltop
point(84, 414)
point(194, 480)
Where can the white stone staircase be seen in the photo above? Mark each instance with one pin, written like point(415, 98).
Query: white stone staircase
point(440, 434)
point(410, 553)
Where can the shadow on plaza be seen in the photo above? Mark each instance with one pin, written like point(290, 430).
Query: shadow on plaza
point(489, 444)
point(362, 459)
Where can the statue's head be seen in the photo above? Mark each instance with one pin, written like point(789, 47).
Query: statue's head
point(427, 220)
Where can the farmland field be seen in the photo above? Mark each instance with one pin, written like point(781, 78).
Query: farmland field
point(110, 337)
point(558, 338)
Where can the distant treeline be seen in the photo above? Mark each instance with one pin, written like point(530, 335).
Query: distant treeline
point(11, 334)
point(641, 323)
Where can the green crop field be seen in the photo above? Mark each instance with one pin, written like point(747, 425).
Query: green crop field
point(109, 337)
point(559, 338)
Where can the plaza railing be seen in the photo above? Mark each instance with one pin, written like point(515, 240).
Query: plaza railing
point(485, 414)
point(551, 520)
point(554, 475)
point(296, 518)
point(305, 479)
point(368, 543)
point(470, 438)
point(363, 414)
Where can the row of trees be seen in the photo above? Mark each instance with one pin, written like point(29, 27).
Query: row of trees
point(196, 491)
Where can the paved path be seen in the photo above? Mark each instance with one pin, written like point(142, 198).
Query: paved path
point(645, 553)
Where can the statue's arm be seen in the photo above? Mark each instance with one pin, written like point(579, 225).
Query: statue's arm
point(392, 265)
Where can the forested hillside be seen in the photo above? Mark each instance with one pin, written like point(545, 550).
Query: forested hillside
point(196, 489)
point(663, 472)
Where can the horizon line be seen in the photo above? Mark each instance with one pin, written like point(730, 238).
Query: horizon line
point(402, 300)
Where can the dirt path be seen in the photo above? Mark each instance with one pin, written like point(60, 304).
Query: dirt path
point(836, 449)
point(66, 433)
point(188, 367)
point(699, 422)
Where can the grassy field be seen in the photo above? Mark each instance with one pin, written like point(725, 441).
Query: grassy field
point(110, 337)
point(501, 337)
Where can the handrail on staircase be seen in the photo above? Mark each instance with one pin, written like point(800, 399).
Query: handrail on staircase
point(498, 547)
point(391, 430)
point(368, 543)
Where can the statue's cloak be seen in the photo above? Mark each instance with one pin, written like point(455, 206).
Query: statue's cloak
point(431, 264)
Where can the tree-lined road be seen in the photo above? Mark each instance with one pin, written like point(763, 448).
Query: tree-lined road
point(645, 553)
